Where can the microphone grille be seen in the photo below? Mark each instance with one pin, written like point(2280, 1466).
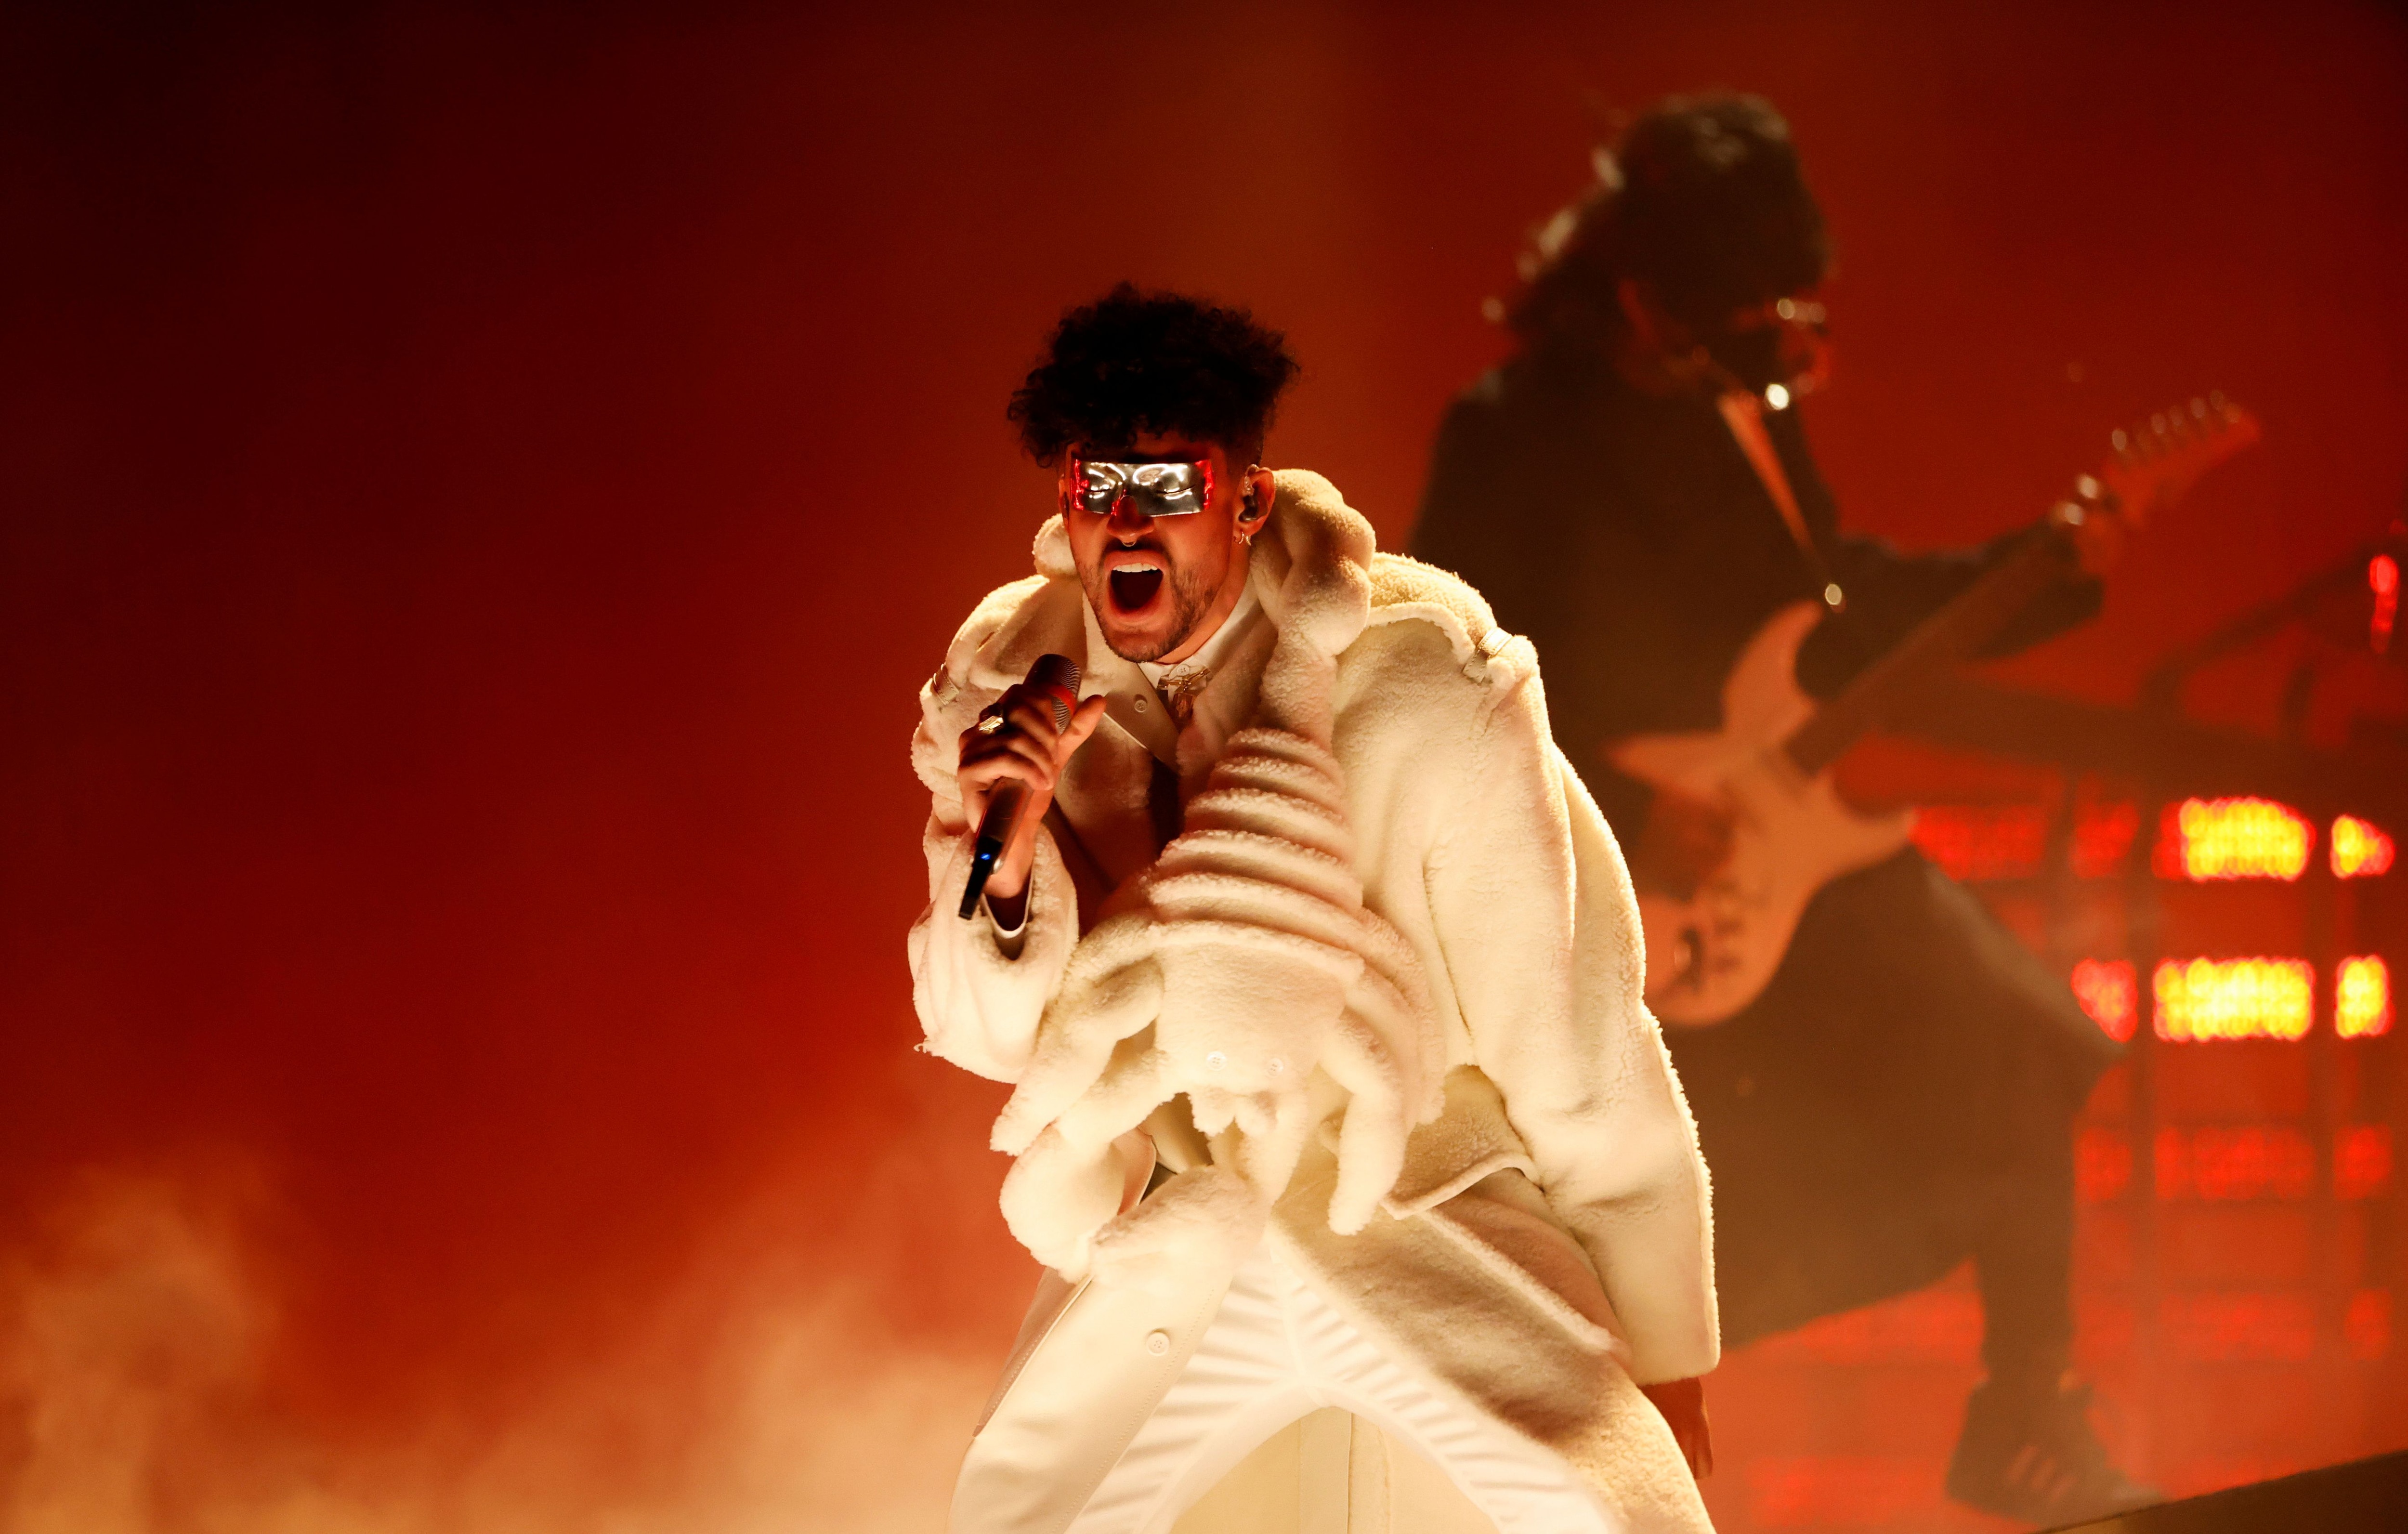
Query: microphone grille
point(1058, 671)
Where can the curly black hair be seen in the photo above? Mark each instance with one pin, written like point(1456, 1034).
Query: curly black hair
point(1135, 362)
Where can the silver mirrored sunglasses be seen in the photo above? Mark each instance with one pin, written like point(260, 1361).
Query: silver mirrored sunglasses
point(1168, 490)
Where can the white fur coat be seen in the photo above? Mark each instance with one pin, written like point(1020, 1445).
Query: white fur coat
point(1385, 981)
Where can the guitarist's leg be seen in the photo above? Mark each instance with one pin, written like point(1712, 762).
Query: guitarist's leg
point(1820, 1206)
point(1992, 1064)
point(1843, 1113)
point(2027, 1449)
point(1902, 1097)
point(1977, 1059)
point(2022, 1251)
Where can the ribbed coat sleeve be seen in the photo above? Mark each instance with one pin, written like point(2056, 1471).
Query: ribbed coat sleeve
point(1534, 912)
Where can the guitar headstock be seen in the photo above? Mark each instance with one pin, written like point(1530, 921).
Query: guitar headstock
point(2154, 463)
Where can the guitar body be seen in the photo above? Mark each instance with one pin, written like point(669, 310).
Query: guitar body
point(1710, 955)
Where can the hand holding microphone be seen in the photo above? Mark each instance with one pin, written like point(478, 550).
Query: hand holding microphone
point(1010, 762)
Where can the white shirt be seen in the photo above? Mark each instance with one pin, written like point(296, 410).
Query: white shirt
point(1234, 628)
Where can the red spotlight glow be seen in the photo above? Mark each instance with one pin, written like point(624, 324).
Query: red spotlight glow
point(1973, 843)
point(2383, 579)
point(2102, 835)
point(2102, 1166)
point(2244, 1326)
point(2242, 1162)
point(2361, 1160)
point(1806, 1491)
point(1934, 1327)
point(1976, 842)
point(2110, 993)
point(2366, 1326)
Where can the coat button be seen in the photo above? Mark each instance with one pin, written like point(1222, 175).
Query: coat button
point(1157, 1342)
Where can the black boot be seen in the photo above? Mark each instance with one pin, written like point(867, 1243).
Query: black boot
point(2028, 1454)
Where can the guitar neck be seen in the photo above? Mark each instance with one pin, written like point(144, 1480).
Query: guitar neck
point(1954, 633)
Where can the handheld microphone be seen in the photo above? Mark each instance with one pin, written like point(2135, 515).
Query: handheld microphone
point(1055, 674)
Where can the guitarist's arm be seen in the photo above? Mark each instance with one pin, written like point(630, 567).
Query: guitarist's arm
point(1673, 841)
point(1889, 592)
point(2151, 465)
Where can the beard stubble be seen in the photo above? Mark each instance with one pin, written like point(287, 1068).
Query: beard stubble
point(1189, 600)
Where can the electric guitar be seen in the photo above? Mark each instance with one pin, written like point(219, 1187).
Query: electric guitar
point(1712, 954)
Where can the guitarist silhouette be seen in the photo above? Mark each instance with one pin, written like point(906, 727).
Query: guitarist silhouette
point(1633, 490)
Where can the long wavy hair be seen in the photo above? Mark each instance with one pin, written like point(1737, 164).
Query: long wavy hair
point(1702, 198)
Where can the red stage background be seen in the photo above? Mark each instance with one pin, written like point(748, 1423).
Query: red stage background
point(479, 487)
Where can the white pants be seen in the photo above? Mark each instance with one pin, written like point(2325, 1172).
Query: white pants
point(1278, 1350)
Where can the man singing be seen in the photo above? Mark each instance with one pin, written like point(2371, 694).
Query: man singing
point(1317, 976)
point(1635, 492)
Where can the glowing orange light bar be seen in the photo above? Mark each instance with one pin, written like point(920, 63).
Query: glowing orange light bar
point(2108, 993)
point(1973, 842)
point(2383, 579)
point(2233, 839)
point(2102, 1166)
point(2361, 1160)
point(2234, 998)
point(2245, 1161)
point(2366, 1325)
point(2362, 998)
point(2276, 1326)
point(2102, 834)
point(2359, 848)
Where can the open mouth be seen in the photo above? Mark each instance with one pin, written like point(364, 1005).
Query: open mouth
point(1133, 586)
